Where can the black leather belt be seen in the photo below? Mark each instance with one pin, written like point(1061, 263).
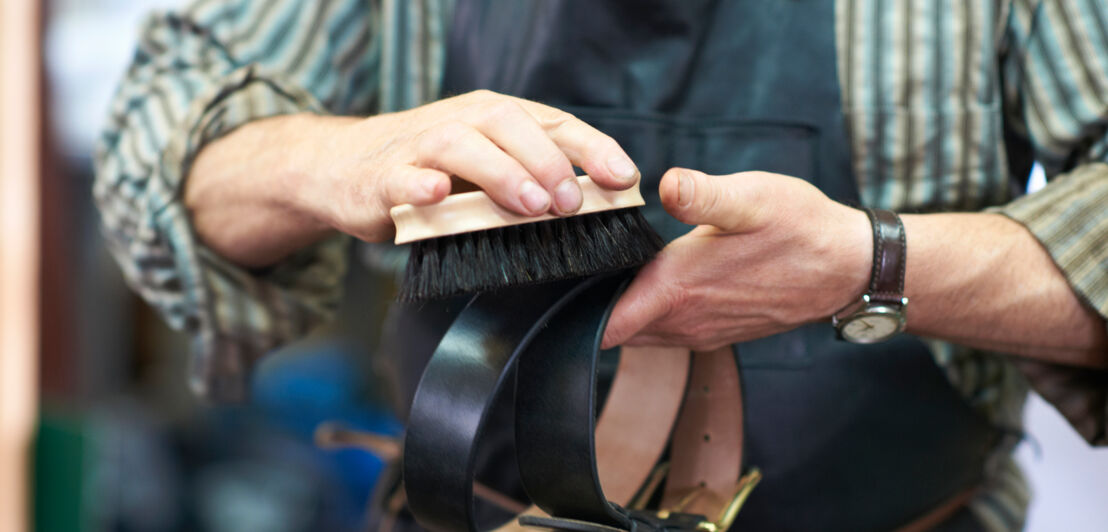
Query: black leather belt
point(539, 345)
point(588, 474)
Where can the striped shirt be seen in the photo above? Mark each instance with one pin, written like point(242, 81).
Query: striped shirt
point(946, 104)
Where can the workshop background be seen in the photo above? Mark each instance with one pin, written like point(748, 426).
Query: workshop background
point(114, 439)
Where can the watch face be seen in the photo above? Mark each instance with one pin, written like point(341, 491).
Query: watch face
point(871, 327)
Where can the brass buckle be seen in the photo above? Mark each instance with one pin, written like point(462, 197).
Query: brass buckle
point(727, 516)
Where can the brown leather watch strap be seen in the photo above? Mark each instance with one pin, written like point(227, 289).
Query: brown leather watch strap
point(890, 250)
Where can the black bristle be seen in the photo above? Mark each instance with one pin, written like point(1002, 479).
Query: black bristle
point(538, 252)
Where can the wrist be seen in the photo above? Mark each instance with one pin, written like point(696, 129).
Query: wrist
point(245, 192)
point(319, 154)
point(879, 314)
point(850, 243)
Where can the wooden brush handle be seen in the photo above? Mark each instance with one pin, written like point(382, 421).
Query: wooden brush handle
point(476, 211)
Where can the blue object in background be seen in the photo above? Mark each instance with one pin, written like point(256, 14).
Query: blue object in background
point(299, 389)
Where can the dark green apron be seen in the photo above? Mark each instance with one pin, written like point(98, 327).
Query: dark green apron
point(849, 437)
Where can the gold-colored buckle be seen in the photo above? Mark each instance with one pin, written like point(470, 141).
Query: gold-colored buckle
point(727, 516)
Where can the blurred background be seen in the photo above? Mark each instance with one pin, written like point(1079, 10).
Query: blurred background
point(119, 442)
point(94, 380)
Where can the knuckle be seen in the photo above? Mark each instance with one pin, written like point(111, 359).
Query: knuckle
point(507, 177)
point(551, 167)
point(757, 206)
point(712, 198)
point(503, 108)
point(704, 337)
point(499, 111)
point(674, 301)
point(498, 176)
point(728, 198)
point(442, 136)
point(694, 332)
point(482, 94)
point(703, 334)
point(552, 118)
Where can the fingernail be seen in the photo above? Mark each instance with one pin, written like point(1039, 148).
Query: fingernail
point(622, 168)
point(534, 197)
point(684, 189)
point(568, 196)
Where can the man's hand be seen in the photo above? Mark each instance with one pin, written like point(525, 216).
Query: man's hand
point(771, 253)
point(520, 152)
point(275, 185)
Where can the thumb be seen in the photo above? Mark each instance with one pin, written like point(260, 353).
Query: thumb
point(727, 202)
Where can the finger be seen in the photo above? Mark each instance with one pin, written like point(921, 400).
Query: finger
point(416, 186)
point(643, 339)
point(597, 154)
point(459, 149)
point(642, 303)
point(517, 133)
point(730, 203)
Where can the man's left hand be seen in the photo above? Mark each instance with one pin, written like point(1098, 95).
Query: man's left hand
point(770, 253)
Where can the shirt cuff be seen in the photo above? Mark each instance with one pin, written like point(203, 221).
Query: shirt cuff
point(1070, 218)
point(236, 316)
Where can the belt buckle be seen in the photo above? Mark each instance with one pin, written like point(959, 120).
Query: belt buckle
point(671, 519)
point(726, 516)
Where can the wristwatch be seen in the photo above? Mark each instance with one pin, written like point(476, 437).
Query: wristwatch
point(879, 314)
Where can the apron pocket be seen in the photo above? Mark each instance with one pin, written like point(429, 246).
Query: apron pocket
point(719, 147)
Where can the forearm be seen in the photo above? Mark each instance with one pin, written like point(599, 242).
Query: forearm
point(984, 281)
point(248, 192)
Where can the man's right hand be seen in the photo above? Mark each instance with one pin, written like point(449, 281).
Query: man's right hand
point(275, 185)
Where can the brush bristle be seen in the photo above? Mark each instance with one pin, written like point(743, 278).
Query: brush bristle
point(550, 250)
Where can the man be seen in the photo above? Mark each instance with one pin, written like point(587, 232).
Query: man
point(919, 107)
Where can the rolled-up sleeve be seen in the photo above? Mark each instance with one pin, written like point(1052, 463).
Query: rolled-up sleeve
point(196, 75)
point(1056, 74)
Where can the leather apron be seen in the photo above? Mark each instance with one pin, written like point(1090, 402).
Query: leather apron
point(848, 437)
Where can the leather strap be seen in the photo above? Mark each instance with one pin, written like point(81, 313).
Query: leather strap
point(704, 464)
point(571, 475)
point(585, 472)
point(941, 513)
point(889, 257)
point(555, 415)
point(643, 402)
point(457, 390)
point(572, 465)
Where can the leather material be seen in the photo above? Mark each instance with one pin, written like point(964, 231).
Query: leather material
point(555, 411)
point(890, 250)
point(849, 437)
point(555, 345)
point(703, 462)
point(456, 392)
point(413, 330)
point(559, 458)
point(644, 399)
